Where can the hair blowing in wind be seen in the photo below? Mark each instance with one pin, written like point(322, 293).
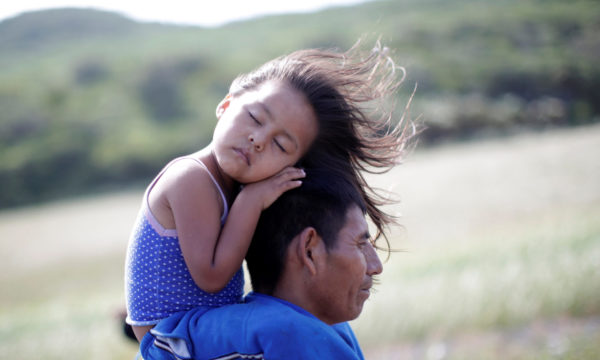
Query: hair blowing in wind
point(353, 95)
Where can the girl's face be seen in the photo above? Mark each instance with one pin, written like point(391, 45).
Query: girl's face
point(262, 131)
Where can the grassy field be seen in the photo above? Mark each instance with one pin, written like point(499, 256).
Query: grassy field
point(500, 260)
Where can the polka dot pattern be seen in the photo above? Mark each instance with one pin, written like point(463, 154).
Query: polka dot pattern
point(158, 283)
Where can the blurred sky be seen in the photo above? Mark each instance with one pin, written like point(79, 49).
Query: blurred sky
point(205, 13)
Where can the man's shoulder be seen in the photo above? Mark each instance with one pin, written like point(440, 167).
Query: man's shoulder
point(283, 330)
point(262, 326)
point(274, 316)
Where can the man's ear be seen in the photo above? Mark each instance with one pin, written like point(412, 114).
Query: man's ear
point(310, 249)
point(223, 105)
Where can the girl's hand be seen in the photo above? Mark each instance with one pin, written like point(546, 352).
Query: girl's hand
point(268, 190)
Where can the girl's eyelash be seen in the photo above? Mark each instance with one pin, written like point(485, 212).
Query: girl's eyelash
point(279, 145)
point(254, 118)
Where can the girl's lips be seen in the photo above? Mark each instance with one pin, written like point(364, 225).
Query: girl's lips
point(243, 154)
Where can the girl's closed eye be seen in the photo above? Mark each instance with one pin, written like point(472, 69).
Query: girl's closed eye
point(278, 144)
point(254, 118)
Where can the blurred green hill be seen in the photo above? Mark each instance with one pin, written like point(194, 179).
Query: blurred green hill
point(90, 100)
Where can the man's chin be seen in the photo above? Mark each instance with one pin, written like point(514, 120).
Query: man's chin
point(357, 311)
point(365, 293)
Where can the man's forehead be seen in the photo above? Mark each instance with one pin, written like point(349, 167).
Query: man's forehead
point(356, 222)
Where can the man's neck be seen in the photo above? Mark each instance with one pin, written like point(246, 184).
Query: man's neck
point(295, 295)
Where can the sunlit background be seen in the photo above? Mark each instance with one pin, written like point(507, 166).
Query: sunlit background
point(499, 203)
point(179, 11)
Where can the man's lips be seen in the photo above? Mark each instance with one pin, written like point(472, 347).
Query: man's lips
point(244, 154)
point(366, 287)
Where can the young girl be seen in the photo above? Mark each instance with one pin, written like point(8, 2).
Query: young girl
point(196, 220)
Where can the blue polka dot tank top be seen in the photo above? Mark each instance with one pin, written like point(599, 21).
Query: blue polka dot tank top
point(157, 281)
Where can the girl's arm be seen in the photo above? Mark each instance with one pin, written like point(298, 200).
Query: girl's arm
point(212, 254)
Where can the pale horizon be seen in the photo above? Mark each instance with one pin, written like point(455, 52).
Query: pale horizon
point(178, 11)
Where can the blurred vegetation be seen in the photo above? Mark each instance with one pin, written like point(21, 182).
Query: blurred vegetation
point(91, 99)
point(501, 260)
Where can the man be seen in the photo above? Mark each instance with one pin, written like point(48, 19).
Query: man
point(311, 263)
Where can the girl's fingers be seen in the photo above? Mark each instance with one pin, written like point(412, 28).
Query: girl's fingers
point(288, 185)
point(292, 173)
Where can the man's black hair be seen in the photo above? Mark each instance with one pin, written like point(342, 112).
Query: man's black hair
point(321, 202)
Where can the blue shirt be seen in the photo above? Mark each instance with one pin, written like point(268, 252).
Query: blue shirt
point(263, 327)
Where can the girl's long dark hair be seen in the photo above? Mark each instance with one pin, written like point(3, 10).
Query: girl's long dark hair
point(353, 97)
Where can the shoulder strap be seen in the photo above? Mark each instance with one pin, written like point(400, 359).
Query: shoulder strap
point(225, 206)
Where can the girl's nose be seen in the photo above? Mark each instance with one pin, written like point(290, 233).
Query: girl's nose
point(256, 142)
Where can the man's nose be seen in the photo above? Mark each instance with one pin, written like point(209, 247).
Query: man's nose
point(374, 266)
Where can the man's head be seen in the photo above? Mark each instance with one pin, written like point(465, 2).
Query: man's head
point(312, 247)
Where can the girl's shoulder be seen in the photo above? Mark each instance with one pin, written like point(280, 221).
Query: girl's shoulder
point(186, 163)
point(189, 173)
point(182, 186)
point(188, 182)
